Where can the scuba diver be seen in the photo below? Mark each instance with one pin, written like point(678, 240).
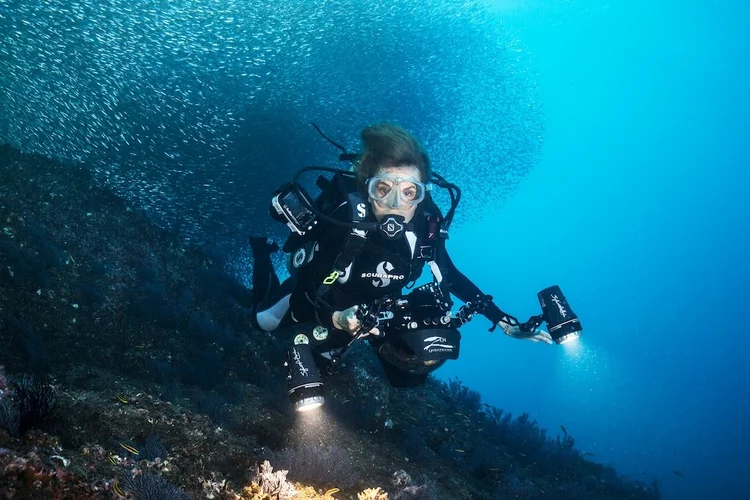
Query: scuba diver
point(351, 253)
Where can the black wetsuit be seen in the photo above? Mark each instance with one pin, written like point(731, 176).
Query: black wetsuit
point(382, 267)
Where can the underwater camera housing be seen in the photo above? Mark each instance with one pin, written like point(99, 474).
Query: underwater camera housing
point(290, 209)
point(419, 325)
point(419, 333)
point(426, 306)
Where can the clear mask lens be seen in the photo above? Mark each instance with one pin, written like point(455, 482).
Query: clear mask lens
point(393, 191)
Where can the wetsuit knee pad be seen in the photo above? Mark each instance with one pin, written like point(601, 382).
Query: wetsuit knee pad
point(270, 318)
point(270, 314)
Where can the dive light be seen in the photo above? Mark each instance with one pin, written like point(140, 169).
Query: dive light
point(562, 322)
point(305, 385)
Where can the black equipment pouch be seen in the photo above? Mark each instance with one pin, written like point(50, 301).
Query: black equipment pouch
point(433, 344)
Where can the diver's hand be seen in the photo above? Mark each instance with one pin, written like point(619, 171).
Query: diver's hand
point(537, 335)
point(347, 321)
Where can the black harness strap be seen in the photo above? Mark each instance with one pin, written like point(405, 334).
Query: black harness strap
point(353, 246)
point(429, 246)
point(431, 240)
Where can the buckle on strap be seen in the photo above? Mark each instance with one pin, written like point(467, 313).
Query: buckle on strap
point(426, 252)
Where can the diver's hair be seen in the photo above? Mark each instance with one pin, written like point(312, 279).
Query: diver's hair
point(388, 145)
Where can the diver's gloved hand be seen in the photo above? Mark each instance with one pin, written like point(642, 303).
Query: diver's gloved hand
point(348, 321)
point(536, 335)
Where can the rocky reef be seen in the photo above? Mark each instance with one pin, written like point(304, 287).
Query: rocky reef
point(131, 371)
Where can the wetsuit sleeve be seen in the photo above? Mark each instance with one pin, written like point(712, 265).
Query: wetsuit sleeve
point(324, 315)
point(465, 289)
point(304, 309)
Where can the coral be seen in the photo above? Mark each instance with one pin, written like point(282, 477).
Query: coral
point(152, 449)
point(268, 482)
point(214, 487)
point(10, 416)
point(401, 478)
point(36, 400)
point(151, 487)
point(317, 464)
point(27, 404)
point(372, 494)
point(27, 476)
point(424, 489)
point(467, 399)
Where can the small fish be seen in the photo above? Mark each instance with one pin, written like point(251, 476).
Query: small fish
point(331, 491)
point(140, 346)
point(678, 473)
point(588, 454)
point(460, 450)
point(117, 490)
point(564, 429)
point(112, 459)
point(522, 454)
point(130, 448)
point(122, 399)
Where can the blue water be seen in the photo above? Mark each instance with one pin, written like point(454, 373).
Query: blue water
point(639, 210)
point(635, 203)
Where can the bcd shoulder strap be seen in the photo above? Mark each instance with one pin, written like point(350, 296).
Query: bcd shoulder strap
point(430, 244)
point(353, 245)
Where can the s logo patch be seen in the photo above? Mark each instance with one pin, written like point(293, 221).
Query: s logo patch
point(299, 258)
point(383, 269)
point(383, 276)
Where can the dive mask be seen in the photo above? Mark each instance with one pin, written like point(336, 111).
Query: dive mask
point(392, 190)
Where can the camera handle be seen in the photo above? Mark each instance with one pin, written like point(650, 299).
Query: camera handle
point(368, 318)
point(479, 306)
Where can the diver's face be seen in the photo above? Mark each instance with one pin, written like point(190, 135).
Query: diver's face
point(393, 194)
